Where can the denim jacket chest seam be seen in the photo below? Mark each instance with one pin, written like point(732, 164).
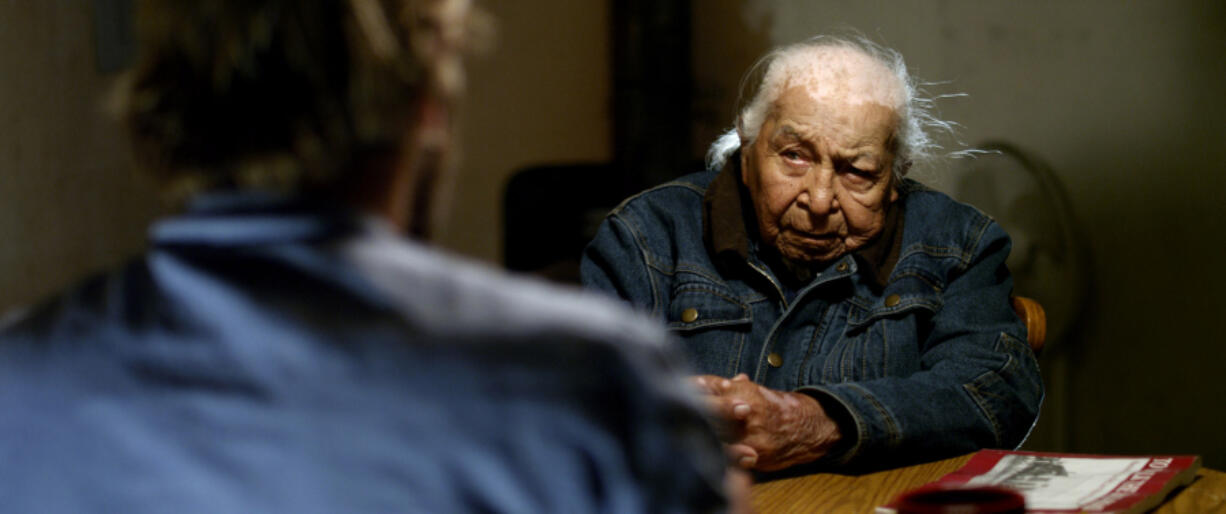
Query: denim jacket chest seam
point(963, 254)
point(814, 341)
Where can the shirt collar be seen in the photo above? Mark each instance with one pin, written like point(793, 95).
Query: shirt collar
point(245, 218)
point(729, 223)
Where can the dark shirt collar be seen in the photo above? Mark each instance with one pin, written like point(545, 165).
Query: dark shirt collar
point(727, 217)
point(878, 258)
point(729, 224)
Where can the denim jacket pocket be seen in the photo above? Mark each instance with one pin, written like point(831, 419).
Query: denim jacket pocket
point(694, 310)
point(866, 311)
point(694, 307)
point(881, 337)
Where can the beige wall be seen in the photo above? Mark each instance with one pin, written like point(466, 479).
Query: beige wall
point(541, 96)
point(1124, 100)
point(70, 202)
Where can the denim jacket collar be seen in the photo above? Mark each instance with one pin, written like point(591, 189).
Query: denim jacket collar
point(729, 223)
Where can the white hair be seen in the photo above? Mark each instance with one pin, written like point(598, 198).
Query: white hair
point(913, 139)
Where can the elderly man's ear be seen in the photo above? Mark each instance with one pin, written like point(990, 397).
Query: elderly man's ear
point(902, 172)
point(740, 133)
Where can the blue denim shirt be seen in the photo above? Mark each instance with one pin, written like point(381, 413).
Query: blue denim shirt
point(922, 360)
point(271, 356)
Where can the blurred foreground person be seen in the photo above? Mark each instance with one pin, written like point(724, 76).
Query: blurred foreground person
point(282, 348)
point(845, 316)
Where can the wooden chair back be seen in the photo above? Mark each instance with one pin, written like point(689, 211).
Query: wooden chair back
point(1035, 319)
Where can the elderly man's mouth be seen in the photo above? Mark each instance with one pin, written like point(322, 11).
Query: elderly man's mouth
point(815, 238)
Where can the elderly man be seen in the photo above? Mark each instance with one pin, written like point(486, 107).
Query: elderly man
point(282, 348)
point(841, 314)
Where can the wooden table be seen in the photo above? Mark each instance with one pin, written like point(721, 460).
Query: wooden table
point(834, 493)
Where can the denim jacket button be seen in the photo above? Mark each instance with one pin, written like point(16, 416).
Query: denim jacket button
point(689, 315)
point(841, 267)
point(774, 359)
point(892, 300)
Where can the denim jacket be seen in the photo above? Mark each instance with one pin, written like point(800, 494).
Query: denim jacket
point(920, 359)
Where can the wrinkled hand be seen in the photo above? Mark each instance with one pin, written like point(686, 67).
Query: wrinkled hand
point(771, 429)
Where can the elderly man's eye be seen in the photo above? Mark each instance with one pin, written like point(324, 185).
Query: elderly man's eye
point(858, 172)
point(792, 155)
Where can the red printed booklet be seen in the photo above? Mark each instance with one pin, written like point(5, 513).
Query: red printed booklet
point(1066, 482)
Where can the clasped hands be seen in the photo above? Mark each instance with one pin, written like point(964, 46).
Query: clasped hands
point(768, 430)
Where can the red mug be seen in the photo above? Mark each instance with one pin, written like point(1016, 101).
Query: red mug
point(961, 499)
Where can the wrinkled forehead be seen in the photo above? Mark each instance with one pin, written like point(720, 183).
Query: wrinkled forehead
point(835, 74)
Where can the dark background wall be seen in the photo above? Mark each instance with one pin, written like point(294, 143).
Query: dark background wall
point(1123, 100)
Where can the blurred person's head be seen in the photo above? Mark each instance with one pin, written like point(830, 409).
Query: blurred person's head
point(347, 100)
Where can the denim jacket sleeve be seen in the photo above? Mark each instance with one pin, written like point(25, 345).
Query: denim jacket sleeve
point(978, 383)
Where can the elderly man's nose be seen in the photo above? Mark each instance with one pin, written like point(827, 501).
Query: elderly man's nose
point(818, 196)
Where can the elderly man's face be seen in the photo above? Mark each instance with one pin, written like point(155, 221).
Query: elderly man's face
point(819, 174)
